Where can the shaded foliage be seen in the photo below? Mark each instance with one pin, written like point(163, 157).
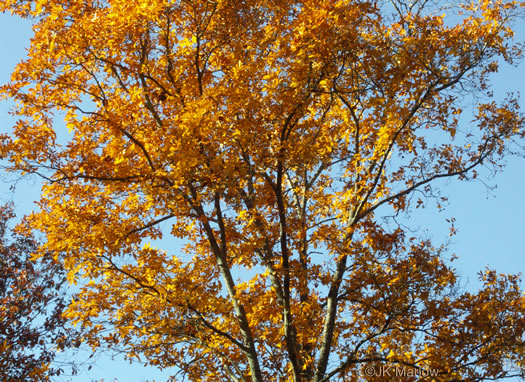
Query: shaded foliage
point(32, 301)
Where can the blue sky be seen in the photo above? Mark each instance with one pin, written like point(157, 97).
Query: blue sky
point(490, 223)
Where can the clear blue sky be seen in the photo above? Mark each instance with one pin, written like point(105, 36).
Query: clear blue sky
point(490, 223)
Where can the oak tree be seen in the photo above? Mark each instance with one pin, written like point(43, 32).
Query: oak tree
point(32, 300)
point(273, 138)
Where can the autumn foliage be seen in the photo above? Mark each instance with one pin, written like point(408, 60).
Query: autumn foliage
point(32, 300)
point(274, 138)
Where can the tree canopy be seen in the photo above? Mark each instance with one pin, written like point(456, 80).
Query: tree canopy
point(275, 138)
point(32, 301)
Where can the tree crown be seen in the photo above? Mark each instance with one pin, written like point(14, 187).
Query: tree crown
point(273, 136)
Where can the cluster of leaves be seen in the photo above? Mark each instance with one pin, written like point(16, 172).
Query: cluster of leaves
point(32, 300)
point(274, 137)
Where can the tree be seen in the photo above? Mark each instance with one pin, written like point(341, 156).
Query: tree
point(32, 301)
point(274, 138)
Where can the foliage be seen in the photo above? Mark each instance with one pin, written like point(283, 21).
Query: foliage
point(274, 137)
point(32, 301)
